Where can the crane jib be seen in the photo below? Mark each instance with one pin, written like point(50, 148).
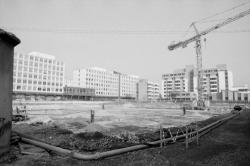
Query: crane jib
point(197, 37)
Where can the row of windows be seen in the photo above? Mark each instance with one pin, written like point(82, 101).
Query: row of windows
point(176, 74)
point(172, 88)
point(78, 90)
point(20, 74)
point(35, 58)
point(19, 87)
point(105, 76)
point(103, 81)
point(36, 67)
point(19, 81)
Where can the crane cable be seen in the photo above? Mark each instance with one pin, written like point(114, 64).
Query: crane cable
point(217, 14)
point(205, 20)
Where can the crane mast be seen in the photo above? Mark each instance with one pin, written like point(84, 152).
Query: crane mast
point(197, 40)
point(200, 100)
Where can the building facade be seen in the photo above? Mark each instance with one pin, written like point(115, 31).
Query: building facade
point(147, 91)
point(38, 73)
point(215, 80)
point(185, 80)
point(180, 80)
point(71, 92)
point(106, 83)
point(7, 43)
point(235, 96)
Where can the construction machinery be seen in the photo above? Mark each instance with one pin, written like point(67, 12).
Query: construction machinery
point(197, 40)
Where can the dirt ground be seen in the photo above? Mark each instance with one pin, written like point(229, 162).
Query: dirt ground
point(227, 145)
point(115, 116)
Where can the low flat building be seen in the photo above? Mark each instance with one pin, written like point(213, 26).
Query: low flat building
point(232, 96)
point(71, 92)
point(244, 88)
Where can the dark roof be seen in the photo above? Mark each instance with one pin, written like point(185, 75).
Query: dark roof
point(9, 38)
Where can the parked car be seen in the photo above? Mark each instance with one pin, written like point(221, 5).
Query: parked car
point(237, 108)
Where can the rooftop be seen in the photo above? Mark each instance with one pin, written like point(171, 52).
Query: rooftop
point(9, 38)
point(42, 55)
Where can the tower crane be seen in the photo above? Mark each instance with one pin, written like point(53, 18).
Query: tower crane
point(197, 40)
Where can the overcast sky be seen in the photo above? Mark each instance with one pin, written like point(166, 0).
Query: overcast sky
point(130, 36)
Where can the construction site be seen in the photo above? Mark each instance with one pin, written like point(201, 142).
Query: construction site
point(85, 127)
point(88, 131)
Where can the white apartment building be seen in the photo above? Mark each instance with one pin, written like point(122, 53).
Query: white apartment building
point(180, 80)
point(38, 73)
point(106, 83)
point(147, 91)
point(185, 80)
point(128, 85)
point(153, 91)
point(216, 79)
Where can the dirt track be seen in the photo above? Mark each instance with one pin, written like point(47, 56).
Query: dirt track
point(227, 145)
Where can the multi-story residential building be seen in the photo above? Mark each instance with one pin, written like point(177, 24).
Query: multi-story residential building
point(180, 80)
point(128, 85)
point(216, 79)
point(37, 73)
point(106, 83)
point(185, 80)
point(147, 91)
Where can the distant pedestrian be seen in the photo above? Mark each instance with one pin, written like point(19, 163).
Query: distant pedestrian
point(184, 110)
point(92, 116)
point(17, 110)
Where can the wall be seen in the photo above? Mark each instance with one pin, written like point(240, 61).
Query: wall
point(6, 72)
point(222, 83)
point(142, 90)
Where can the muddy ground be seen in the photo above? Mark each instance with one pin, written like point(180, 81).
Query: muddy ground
point(226, 145)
